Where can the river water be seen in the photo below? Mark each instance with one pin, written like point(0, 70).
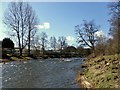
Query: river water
point(49, 73)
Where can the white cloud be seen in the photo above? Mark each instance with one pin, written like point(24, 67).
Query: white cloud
point(45, 25)
point(99, 33)
point(70, 38)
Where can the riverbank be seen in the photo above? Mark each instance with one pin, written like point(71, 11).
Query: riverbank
point(100, 72)
point(12, 58)
point(8, 57)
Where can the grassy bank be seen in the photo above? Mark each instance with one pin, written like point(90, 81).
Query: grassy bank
point(8, 58)
point(101, 71)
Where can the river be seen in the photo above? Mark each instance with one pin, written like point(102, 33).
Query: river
point(49, 73)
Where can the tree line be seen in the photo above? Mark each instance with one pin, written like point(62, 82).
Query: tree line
point(59, 48)
point(22, 20)
point(101, 45)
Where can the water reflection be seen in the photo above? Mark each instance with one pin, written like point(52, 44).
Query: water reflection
point(50, 73)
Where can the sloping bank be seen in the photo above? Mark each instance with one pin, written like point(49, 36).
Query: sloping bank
point(100, 72)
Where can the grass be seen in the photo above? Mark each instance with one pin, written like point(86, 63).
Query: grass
point(16, 58)
point(102, 71)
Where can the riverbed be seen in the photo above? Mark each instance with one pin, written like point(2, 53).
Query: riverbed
point(48, 73)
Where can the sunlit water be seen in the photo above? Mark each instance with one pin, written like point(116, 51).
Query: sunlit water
point(50, 73)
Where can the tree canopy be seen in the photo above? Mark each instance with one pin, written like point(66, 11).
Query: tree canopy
point(86, 33)
point(7, 43)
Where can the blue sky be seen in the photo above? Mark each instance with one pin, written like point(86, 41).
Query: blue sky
point(62, 17)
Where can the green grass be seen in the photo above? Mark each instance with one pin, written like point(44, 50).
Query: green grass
point(102, 71)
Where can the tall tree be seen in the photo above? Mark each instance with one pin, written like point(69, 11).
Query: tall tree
point(32, 21)
point(86, 34)
point(21, 19)
point(53, 42)
point(115, 24)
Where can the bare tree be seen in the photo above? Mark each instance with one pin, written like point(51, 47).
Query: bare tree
point(35, 42)
point(62, 43)
point(32, 21)
point(53, 42)
point(86, 34)
point(44, 41)
point(21, 19)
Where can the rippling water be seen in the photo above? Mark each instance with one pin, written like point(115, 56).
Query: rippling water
point(50, 73)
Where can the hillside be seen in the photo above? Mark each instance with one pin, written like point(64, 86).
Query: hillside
point(101, 72)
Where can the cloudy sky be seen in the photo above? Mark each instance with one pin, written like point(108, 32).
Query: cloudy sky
point(59, 18)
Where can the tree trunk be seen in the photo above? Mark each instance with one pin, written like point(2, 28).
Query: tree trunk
point(29, 43)
point(28, 49)
point(20, 49)
point(43, 51)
